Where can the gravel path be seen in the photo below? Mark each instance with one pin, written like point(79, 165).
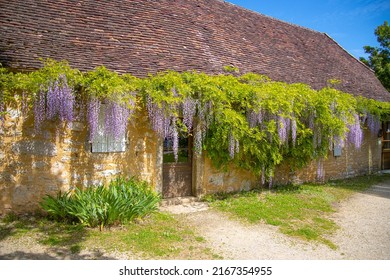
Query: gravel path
point(364, 233)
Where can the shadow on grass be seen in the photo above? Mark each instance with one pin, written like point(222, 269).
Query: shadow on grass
point(375, 185)
point(54, 254)
point(60, 241)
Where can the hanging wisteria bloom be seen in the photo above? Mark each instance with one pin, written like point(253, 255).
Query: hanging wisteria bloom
point(294, 131)
point(205, 117)
point(39, 110)
point(263, 175)
point(116, 118)
point(317, 138)
point(232, 145)
point(251, 117)
point(93, 110)
point(355, 134)
point(60, 101)
point(373, 123)
point(254, 118)
point(320, 170)
point(205, 114)
point(159, 122)
point(338, 141)
point(270, 181)
point(189, 110)
point(282, 129)
point(175, 138)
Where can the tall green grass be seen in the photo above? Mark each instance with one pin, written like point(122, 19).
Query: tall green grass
point(123, 200)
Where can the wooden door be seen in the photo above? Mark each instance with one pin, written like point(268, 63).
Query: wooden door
point(386, 145)
point(177, 176)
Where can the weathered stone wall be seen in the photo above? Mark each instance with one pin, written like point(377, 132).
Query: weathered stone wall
point(60, 158)
point(352, 162)
point(230, 180)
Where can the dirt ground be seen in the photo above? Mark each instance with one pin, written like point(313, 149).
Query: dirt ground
point(364, 234)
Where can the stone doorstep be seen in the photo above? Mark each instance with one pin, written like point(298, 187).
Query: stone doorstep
point(178, 200)
point(183, 205)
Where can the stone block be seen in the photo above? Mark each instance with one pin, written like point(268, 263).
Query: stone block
point(110, 172)
point(216, 179)
point(22, 195)
point(35, 147)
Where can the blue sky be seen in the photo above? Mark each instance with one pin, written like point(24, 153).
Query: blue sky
point(351, 23)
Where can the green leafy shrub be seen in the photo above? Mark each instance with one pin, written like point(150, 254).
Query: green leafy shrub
point(123, 200)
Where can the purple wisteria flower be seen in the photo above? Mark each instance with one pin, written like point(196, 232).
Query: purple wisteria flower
point(232, 143)
point(282, 129)
point(39, 110)
point(263, 175)
point(175, 138)
point(294, 131)
point(116, 118)
point(93, 109)
point(338, 141)
point(320, 170)
point(254, 118)
point(189, 110)
point(373, 123)
point(159, 121)
point(270, 181)
point(355, 134)
point(60, 101)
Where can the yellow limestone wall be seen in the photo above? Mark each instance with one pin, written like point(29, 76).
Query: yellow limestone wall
point(352, 162)
point(59, 158)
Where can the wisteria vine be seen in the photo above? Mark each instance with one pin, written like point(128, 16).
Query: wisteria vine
point(251, 121)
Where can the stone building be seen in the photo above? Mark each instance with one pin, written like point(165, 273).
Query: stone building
point(141, 37)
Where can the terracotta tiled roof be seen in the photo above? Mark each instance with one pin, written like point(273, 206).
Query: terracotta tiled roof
point(145, 36)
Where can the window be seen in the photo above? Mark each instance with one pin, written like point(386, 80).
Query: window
point(183, 150)
point(104, 142)
point(337, 149)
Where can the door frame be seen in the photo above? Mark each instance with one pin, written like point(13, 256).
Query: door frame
point(197, 189)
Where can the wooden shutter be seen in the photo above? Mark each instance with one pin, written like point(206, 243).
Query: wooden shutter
point(103, 142)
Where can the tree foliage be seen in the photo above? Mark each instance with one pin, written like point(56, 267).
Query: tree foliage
point(379, 57)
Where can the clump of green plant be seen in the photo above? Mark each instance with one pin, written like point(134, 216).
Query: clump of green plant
point(123, 200)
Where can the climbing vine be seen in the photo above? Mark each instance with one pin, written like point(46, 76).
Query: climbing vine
point(248, 119)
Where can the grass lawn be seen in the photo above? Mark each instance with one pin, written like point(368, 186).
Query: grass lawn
point(302, 211)
point(159, 236)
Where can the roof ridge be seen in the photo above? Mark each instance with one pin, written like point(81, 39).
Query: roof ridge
point(358, 60)
point(270, 17)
